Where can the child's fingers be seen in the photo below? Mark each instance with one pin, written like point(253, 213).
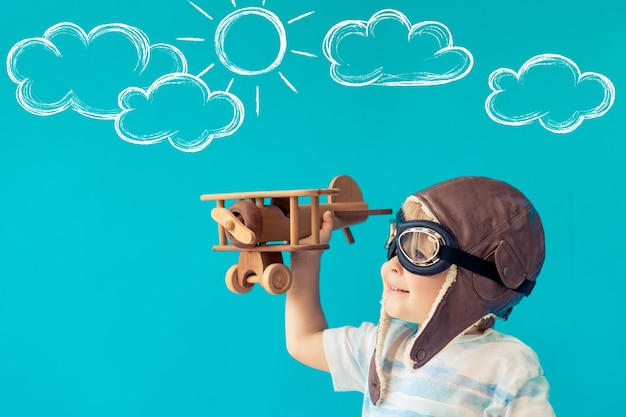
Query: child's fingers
point(327, 227)
point(327, 221)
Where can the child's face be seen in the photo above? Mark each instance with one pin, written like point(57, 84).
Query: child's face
point(408, 296)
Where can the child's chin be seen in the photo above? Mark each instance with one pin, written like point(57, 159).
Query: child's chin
point(392, 312)
point(396, 314)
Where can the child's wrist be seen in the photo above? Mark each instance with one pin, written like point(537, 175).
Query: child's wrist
point(306, 255)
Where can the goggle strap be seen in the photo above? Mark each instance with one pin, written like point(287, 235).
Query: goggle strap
point(479, 266)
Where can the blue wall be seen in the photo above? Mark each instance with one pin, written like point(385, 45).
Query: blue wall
point(112, 302)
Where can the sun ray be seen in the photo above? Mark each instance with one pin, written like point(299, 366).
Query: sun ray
point(198, 8)
point(190, 39)
point(286, 81)
point(207, 69)
point(230, 84)
point(234, 3)
point(302, 16)
point(258, 101)
point(310, 55)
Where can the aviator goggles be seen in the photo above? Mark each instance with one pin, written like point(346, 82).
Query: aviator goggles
point(427, 248)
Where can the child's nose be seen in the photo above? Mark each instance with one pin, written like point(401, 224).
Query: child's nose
point(394, 265)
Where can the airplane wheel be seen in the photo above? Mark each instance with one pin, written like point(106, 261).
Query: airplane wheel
point(236, 284)
point(276, 278)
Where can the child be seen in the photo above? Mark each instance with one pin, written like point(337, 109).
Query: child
point(460, 254)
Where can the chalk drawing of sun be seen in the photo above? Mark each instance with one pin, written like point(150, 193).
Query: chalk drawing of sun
point(241, 20)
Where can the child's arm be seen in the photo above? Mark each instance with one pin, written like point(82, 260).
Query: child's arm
point(304, 318)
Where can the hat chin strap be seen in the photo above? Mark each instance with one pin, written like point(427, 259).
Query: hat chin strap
point(480, 266)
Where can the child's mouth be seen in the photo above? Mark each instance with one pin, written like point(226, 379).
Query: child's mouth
point(392, 288)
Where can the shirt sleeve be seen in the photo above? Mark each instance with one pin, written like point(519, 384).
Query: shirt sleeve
point(531, 400)
point(348, 352)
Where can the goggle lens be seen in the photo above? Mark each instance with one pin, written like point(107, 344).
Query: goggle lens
point(420, 245)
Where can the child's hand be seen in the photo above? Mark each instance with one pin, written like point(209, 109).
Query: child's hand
point(326, 230)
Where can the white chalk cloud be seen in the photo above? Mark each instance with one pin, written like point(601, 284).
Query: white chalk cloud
point(388, 50)
point(549, 89)
point(179, 108)
point(68, 68)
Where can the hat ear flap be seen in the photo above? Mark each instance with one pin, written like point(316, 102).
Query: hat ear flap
point(509, 267)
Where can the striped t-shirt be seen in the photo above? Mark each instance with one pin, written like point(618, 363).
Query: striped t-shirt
point(491, 374)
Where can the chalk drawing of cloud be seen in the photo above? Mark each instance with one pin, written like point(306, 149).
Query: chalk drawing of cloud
point(388, 50)
point(551, 90)
point(67, 68)
point(178, 107)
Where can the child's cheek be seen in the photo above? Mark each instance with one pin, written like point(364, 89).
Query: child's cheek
point(384, 269)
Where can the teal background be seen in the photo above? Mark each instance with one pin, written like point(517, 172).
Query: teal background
point(113, 304)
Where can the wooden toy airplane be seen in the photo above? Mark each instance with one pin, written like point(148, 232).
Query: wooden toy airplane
point(261, 231)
